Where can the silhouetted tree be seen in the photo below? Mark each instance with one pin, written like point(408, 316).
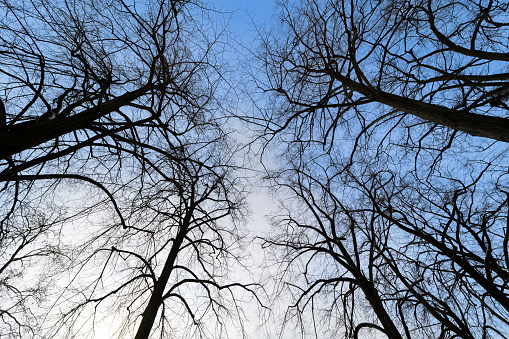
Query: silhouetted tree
point(114, 106)
point(367, 251)
point(90, 82)
point(399, 217)
point(169, 276)
point(330, 61)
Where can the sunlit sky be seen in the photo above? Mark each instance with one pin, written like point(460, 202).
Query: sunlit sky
point(245, 17)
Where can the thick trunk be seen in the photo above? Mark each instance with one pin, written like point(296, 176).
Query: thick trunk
point(156, 299)
point(491, 127)
point(26, 135)
point(373, 298)
point(369, 291)
point(486, 126)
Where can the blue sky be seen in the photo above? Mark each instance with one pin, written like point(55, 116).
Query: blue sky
point(245, 13)
point(259, 8)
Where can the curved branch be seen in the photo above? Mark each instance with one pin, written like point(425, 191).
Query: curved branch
point(73, 176)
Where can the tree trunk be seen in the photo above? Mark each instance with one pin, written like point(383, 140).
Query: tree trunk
point(29, 134)
point(156, 300)
point(486, 126)
point(371, 295)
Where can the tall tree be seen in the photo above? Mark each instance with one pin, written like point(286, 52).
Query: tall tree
point(114, 106)
point(379, 107)
point(169, 276)
point(368, 250)
point(407, 56)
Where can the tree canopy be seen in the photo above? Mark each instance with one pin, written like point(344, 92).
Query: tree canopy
point(120, 187)
point(392, 117)
point(127, 138)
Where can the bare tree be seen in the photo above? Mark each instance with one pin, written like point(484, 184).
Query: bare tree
point(329, 60)
point(123, 100)
point(368, 252)
point(169, 276)
point(399, 218)
point(89, 76)
point(328, 262)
